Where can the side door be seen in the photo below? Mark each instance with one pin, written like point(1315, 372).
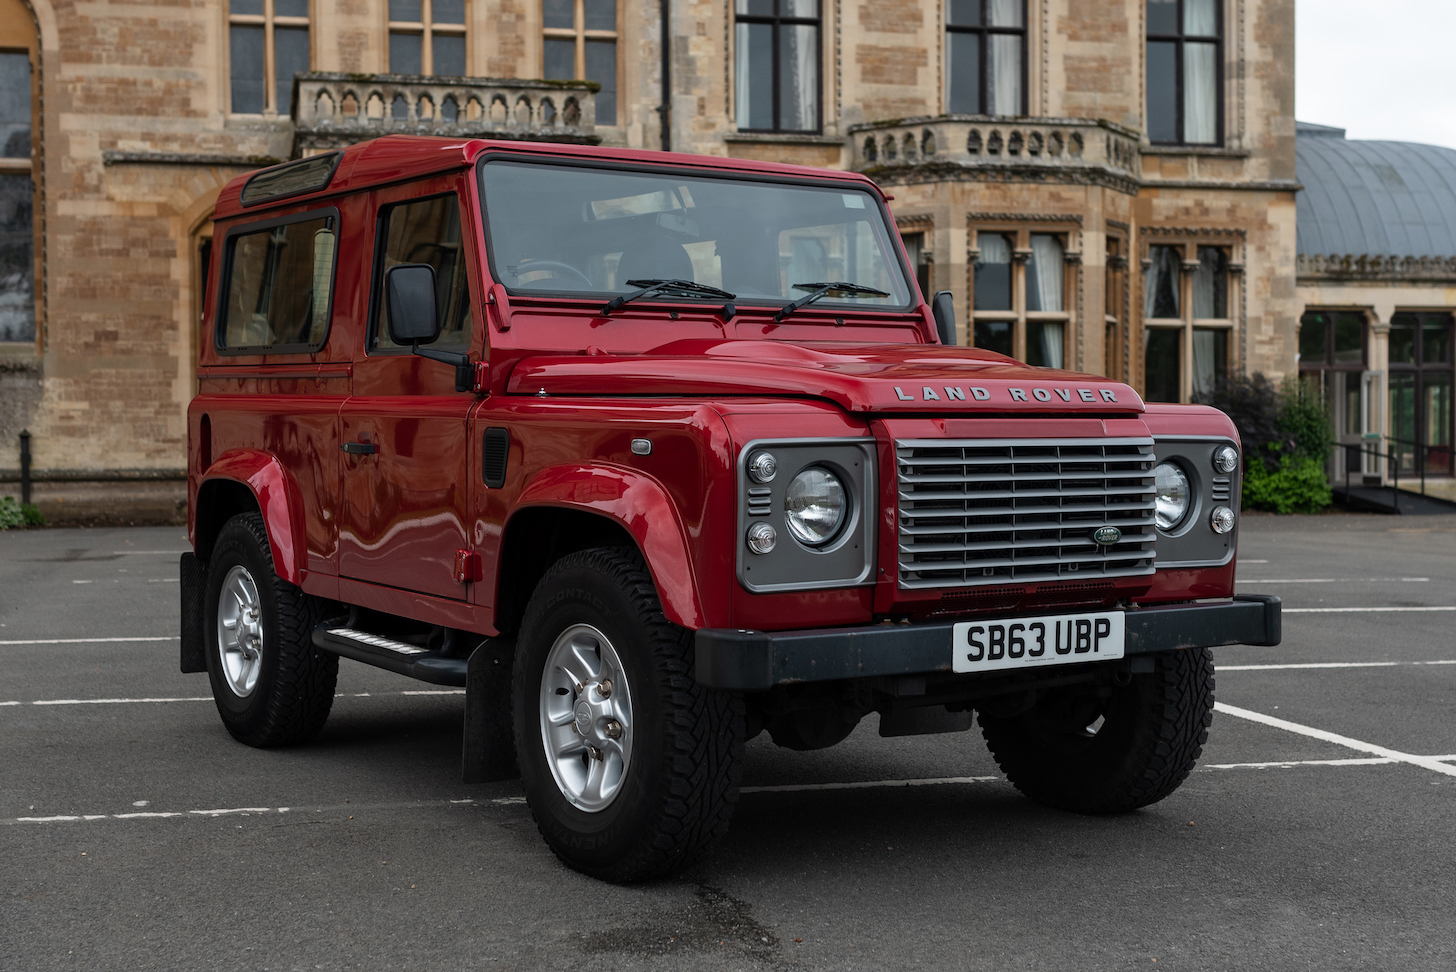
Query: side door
point(403, 432)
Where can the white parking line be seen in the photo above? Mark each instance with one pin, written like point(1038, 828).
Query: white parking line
point(86, 641)
point(866, 784)
point(1363, 610)
point(1373, 664)
point(1426, 762)
point(208, 698)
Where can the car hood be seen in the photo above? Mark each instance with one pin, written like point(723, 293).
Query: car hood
point(868, 378)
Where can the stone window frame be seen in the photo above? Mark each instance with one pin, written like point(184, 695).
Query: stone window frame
point(426, 29)
point(1117, 302)
point(923, 226)
point(819, 24)
point(268, 21)
point(1233, 241)
point(580, 35)
point(1021, 227)
point(985, 31)
point(1220, 82)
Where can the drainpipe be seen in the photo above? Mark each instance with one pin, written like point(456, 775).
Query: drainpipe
point(665, 110)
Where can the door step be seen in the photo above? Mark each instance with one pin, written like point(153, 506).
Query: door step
point(335, 636)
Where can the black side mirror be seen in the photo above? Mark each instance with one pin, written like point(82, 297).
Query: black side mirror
point(942, 306)
point(409, 290)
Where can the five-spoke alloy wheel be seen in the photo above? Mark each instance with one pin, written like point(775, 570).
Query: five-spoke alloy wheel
point(630, 767)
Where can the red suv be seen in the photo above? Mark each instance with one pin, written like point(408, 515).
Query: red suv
point(653, 453)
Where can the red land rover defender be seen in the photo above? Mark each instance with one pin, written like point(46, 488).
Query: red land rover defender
point(652, 453)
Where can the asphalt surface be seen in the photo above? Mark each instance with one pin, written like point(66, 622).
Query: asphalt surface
point(1330, 854)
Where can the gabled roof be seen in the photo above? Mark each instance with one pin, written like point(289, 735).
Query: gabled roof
point(1374, 198)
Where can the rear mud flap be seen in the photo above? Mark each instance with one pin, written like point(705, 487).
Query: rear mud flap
point(193, 589)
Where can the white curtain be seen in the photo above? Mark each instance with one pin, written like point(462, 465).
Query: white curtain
point(798, 72)
point(1162, 278)
point(1199, 18)
point(741, 73)
point(1205, 285)
point(1200, 93)
point(994, 248)
point(1046, 255)
point(1007, 13)
point(1051, 344)
point(1005, 91)
point(1204, 365)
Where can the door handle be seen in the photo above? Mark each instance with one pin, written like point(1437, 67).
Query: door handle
point(359, 448)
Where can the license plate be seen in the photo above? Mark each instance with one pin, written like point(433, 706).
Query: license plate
point(1056, 639)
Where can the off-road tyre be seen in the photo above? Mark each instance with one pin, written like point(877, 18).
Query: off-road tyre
point(680, 787)
point(295, 684)
point(1152, 734)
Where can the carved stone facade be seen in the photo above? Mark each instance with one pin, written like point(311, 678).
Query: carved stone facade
point(134, 133)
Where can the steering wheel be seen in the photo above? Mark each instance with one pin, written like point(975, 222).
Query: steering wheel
point(531, 265)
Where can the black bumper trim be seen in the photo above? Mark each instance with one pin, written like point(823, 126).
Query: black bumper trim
point(752, 661)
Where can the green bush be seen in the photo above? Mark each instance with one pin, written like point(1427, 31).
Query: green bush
point(13, 514)
point(1298, 485)
point(1285, 438)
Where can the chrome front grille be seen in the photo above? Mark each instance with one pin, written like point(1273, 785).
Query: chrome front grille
point(998, 511)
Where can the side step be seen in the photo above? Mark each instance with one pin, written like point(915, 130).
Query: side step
point(336, 637)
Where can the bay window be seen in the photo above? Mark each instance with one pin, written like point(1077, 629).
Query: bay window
point(1018, 299)
point(1186, 321)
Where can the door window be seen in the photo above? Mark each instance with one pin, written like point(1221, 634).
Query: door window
point(1420, 392)
point(279, 285)
point(425, 231)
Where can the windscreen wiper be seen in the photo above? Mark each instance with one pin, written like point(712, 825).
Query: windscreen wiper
point(668, 288)
point(836, 289)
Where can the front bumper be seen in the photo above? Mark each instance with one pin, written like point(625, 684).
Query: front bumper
point(753, 661)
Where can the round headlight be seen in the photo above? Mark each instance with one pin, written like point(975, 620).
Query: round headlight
point(762, 466)
point(761, 538)
point(1225, 459)
point(815, 505)
point(1174, 496)
point(1221, 520)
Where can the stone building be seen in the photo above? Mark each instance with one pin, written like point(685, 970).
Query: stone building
point(1377, 281)
point(1105, 185)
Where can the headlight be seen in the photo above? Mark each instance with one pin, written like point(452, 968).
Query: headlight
point(1225, 459)
point(815, 506)
point(1174, 496)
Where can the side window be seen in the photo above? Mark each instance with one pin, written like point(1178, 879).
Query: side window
point(279, 286)
point(425, 231)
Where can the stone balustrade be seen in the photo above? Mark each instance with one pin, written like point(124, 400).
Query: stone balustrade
point(1360, 266)
point(332, 110)
point(1058, 145)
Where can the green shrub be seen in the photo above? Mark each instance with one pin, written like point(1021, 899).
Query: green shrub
point(13, 514)
point(1298, 485)
point(1285, 438)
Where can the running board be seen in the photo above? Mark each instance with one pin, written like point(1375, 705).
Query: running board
point(336, 637)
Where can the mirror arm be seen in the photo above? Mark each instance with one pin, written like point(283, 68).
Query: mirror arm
point(464, 367)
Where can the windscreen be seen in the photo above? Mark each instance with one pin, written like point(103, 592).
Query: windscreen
point(579, 231)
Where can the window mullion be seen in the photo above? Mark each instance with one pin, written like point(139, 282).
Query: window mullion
point(270, 85)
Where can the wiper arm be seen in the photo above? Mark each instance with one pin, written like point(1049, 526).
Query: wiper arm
point(838, 288)
point(673, 288)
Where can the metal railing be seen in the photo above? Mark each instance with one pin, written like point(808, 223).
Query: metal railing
point(1392, 463)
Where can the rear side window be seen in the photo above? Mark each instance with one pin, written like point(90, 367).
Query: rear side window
point(278, 279)
point(425, 231)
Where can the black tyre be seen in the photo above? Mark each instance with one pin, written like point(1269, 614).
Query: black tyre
point(630, 767)
point(271, 685)
point(1098, 752)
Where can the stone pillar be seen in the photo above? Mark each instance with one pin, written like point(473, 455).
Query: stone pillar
point(1377, 364)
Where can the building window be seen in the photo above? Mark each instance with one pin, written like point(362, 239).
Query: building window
point(776, 65)
point(1420, 392)
point(580, 43)
point(17, 201)
point(917, 247)
point(267, 46)
point(1186, 321)
point(985, 57)
point(1331, 366)
point(1114, 310)
point(1184, 74)
point(1018, 295)
point(427, 37)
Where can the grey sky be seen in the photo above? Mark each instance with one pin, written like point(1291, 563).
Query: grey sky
point(1379, 68)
